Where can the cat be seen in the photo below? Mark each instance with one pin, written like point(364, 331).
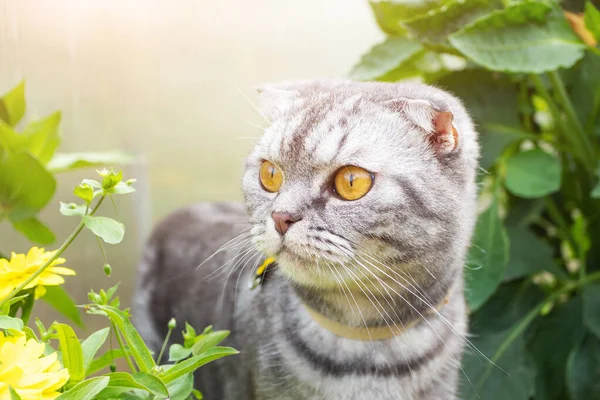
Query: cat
point(365, 194)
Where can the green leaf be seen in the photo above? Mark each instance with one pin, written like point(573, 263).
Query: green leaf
point(391, 14)
point(208, 341)
point(585, 90)
point(487, 257)
point(92, 344)
point(62, 162)
point(583, 370)
point(121, 188)
point(529, 255)
point(72, 354)
point(108, 229)
point(385, 58)
point(58, 298)
point(7, 322)
point(34, 230)
point(104, 361)
point(138, 348)
point(13, 395)
point(192, 364)
point(492, 101)
point(550, 341)
point(139, 380)
point(177, 352)
point(523, 37)
point(86, 390)
point(533, 173)
point(592, 19)
point(12, 105)
point(511, 378)
point(591, 305)
point(72, 209)
point(434, 26)
point(181, 388)
point(43, 138)
point(24, 195)
point(596, 191)
point(84, 192)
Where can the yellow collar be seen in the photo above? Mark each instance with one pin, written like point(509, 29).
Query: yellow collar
point(362, 332)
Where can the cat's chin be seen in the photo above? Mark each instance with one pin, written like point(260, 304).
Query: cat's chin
point(305, 270)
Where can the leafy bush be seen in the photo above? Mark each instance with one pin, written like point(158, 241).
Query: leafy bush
point(54, 363)
point(529, 72)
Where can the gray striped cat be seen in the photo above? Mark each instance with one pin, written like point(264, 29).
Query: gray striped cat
point(365, 194)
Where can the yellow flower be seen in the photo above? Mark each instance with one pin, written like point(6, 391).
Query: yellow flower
point(24, 367)
point(21, 267)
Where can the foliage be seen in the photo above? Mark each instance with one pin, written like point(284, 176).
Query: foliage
point(529, 73)
point(29, 162)
point(54, 362)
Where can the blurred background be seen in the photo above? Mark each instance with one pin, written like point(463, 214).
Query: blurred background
point(162, 80)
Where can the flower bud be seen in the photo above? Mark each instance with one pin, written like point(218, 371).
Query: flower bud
point(172, 323)
point(107, 270)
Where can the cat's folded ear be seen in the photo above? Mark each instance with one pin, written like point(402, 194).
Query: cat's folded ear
point(437, 124)
point(275, 99)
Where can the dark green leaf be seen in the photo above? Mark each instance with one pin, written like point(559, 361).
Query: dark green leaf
point(23, 195)
point(43, 138)
point(487, 257)
point(66, 162)
point(92, 344)
point(34, 230)
point(511, 378)
point(596, 191)
point(108, 229)
point(550, 341)
point(585, 90)
point(177, 352)
point(523, 37)
point(529, 255)
point(492, 102)
point(192, 364)
point(208, 340)
point(58, 298)
point(533, 173)
point(86, 390)
point(591, 308)
point(137, 347)
point(72, 209)
point(583, 370)
point(139, 380)
point(7, 322)
point(12, 105)
point(592, 19)
point(72, 354)
point(385, 58)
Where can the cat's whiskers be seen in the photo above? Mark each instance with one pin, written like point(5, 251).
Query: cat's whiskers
point(227, 245)
point(251, 103)
point(241, 247)
point(234, 268)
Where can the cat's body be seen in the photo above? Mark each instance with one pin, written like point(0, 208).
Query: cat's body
point(395, 254)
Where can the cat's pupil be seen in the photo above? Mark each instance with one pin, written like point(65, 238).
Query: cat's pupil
point(351, 179)
point(272, 172)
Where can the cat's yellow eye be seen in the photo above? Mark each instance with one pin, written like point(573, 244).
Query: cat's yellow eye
point(271, 176)
point(352, 183)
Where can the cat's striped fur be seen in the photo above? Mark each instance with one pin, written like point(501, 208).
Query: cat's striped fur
point(390, 257)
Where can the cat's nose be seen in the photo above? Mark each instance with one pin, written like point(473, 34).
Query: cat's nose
point(283, 221)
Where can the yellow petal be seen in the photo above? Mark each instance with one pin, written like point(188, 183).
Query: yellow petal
point(61, 271)
point(39, 292)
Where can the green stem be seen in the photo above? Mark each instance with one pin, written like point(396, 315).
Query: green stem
point(125, 352)
point(555, 111)
point(563, 97)
point(531, 315)
point(164, 346)
point(57, 254)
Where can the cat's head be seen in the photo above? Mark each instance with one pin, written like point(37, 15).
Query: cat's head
point(361, 175)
